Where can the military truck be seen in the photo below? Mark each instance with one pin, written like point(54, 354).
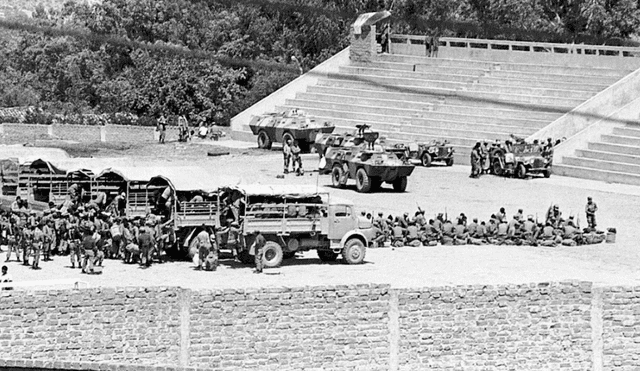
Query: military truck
point(519, 160)
point(425, 153)
point(292, 124)
point(294, 219)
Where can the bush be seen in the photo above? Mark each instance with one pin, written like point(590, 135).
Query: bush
point(38, 117)
point(147, 121)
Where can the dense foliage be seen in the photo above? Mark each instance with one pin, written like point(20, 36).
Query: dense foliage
point(210, 59)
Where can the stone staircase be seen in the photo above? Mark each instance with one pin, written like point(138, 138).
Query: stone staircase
point(410, 98)
point(614, 158)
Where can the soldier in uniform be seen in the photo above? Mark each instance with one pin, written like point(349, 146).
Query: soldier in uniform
point(590, 209)
point(554, 215)
point(475, 161)
point(204, 246)
point(432, 234)
point(297, 160)
point(397, 235)
point(13, 239)
point(145, 241)
point(27, 240)
point(286, 153)
point(413, 235)
point(38, 240)
point(447, 233)
point(258, 248)
point(460, 234)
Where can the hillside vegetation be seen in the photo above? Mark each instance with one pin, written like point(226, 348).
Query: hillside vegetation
point(210, 59)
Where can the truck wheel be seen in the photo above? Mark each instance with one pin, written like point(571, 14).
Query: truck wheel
point(521, 171)
point(288, 136)
point(426, 160)
point(336, 176)
point(194, 250)
point(354, 251)
point(497, 169)
point(327, 256)
point(547, 173)
point(272, 255)
point(449, 161)
point(400, 184)
point(363, 182)
point(264, 142)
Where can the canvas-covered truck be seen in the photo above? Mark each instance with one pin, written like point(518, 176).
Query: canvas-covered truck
point(294, 219)
point(292, 124)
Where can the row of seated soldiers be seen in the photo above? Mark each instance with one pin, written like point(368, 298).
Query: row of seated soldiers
point(83, 232)
point(418, 231)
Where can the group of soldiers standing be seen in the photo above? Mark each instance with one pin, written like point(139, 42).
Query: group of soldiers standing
point(418, 231)
point(481, 153)
point(291, 153)
point(87, 232)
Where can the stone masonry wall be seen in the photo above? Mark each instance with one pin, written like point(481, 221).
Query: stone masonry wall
point(545, 326)
point(343, 328)
point(526, 327)
point(103, 325)
point(84, 133)
point(621, 325)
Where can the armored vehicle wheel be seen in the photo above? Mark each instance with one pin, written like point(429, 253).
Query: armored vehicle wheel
point(400, 184)
point(264, 142)
point(272, 255)
point(327, 256)
point(363, 182)
point(547, 173)
point(288, 136)
point(497, 169)
point(336, 176)
point(426, 160)
point(354, 251)
point(521, 171)
point(449, 161)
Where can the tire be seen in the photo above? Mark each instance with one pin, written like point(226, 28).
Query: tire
point(547, 173)
point(272, 255)
point(497, 169)
point(426, 160)
point(354, 251)
point(288, 136)
point(194, 249)
point(400, 184)
point(327, 255)
point(264, 142)
point(336, 176)
point(363, 181)
point(449, 161)
point(521, 171)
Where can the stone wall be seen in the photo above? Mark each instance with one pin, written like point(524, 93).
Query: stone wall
point(559, 326)
point(83, 133)
point(621, 324)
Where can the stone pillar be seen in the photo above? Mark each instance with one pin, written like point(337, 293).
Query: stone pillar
point(50, 130)
point(363, 46)
point(103, 133)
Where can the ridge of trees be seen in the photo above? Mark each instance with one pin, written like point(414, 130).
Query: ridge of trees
point(211, 59)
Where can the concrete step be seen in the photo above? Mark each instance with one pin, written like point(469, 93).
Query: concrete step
point(502, 100)
point(452, 106)
point(565, 78)
point(506, 66)
point(601, 164)
point(431, 126)
point(618, 139)
point(615, 148)
point(374, 93)
point(608, 156)
point(525, 90)
point(590, 173)
point(387, 106)
point(436, 75)
point(524, 81)
point(449, 70)
point(396, 81)
point(627, 131)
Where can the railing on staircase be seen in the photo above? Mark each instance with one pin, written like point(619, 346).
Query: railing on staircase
point(416, 45)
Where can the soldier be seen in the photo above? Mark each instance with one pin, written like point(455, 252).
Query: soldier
point(204, 246)
point(448, 233)
point(258, 248)
point(233, 239)
point(547, 237)
point(75, 239)
point(570, 234)
point(475, 161)
point(501, 215)
point(554, 215)
point(88, 253)
point(102, 245)
point(439, 221)
point(529, 230)
point(13, 239)
point(50, 238)
point(432, 234)
point(413, 236)
point(590, 209)
point(38, 240)
point(397, 235)
point(460, 234)
point(27, 240)
point(297, 160)
point(286, 153)
point(145, 242)
point(404, 221)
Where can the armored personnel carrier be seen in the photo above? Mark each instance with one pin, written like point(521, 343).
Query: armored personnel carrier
point(369, 164)
point(293, 124)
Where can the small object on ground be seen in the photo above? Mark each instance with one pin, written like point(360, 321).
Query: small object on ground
point(215, 153)
point(280, 176)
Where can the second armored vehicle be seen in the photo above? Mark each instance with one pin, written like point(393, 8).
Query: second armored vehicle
point(293, 124)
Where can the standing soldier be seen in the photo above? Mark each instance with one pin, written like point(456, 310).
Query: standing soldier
point(590, 209)
point(286, 154)
point(27, 239)
point(475, 161)
point(13, 239)
point(74, 244)
point(145, 241)
point(162, 129)
point(88, 252)
point(297, 160)
point(38, 241)
point(258, 247)
point(50, 238)
point(204, 246)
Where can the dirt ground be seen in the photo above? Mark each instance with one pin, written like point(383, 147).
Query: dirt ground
point(436, 189)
